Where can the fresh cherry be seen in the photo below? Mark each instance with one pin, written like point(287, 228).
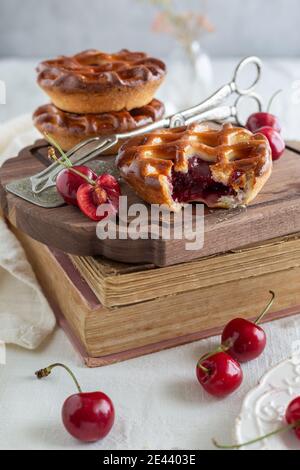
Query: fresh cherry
point(267, 124)
point(91, 197)
point(264, 119)
point(258, 120)
point(219, 374)
point(246, 340)
point(275, 139)
point(70, 179)
point(81, 186)
point(88, 417)
point(292, 417)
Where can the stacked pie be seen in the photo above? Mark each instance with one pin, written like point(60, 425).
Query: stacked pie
point(97, 94)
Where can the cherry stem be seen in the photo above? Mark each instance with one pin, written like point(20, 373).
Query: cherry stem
point(258, 439)
point(52, 156)
point(47, 371)
point(204, 369)
point(222, 348)
point(266, 309)
point(86, 178)
point(65, 161)
point(272, 99)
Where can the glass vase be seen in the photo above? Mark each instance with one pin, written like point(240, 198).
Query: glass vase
point(189, 78)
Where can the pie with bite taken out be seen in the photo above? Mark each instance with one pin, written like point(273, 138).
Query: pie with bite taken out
point(223, 168)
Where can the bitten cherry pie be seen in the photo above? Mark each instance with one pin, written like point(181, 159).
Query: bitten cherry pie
point(222, 168)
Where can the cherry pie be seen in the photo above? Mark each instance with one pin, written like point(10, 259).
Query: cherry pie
point(69, 129)
point(95, 82)
point(223, 168)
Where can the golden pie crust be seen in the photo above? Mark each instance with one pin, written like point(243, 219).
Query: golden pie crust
point(237, 160)
point(69, 129)
point(95, 82)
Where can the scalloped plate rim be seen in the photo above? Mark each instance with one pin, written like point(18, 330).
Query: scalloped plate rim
point(263, 380)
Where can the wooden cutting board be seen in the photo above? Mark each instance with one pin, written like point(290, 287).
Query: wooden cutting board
point(274, 213)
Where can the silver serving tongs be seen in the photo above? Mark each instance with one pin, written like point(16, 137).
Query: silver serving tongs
point(210, 109)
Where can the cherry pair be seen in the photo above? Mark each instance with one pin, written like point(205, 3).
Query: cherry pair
point(268, 125)
point(220, 372)
point(292, 418)
point(88, 417)
point(80, 186)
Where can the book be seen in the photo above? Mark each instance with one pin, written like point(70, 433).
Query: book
point(117, 284)
point(114, 311)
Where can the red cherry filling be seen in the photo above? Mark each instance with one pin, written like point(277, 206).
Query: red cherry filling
point(198, 184)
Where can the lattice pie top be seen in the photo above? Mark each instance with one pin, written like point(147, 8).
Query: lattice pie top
point(224, 167)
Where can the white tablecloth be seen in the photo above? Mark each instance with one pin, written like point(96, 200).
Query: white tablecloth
point(159, 404)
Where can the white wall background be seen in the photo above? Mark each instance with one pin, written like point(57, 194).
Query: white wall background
point(48, 27)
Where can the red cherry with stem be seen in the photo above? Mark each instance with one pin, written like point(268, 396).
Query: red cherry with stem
point(91, 191)
point(69, 181)
point(219, 374)
point(263, 119)
point(106, 190)
point(72, 177)
point(275, 139)
point(258, 120)
point(88, 417)
point(292, 417)
point(246, 340)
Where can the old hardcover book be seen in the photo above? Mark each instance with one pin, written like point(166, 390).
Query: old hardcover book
point(115, 311)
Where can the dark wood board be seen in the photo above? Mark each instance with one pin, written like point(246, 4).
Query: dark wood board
point(274, 213)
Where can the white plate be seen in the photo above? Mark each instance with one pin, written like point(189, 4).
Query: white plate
point(264, 408)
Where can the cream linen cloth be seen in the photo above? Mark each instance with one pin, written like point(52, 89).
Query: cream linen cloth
point(25, 316)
